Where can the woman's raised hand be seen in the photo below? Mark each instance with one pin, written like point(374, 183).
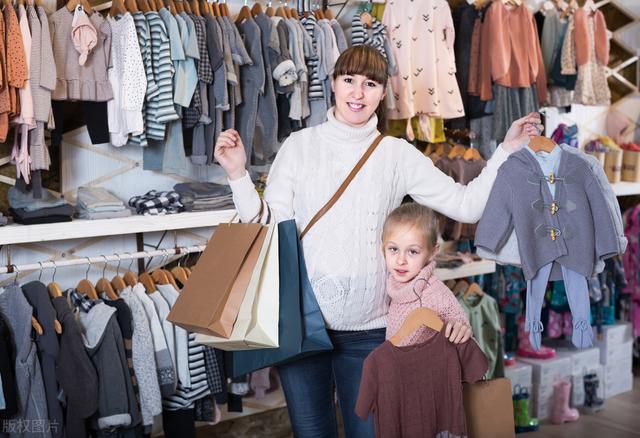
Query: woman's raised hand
point(230, 153)
point(521, 132)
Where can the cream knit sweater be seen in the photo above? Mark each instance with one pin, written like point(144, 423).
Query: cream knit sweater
point(343, 250)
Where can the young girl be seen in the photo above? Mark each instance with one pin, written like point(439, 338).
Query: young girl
point(409, 238)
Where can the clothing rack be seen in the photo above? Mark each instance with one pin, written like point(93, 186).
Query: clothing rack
point(54, 264)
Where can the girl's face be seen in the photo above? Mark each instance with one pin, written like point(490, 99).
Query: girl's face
point(357, 98)
point(406, 252)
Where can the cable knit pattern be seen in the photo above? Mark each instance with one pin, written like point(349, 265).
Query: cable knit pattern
point(423, 291)
point(342, 250)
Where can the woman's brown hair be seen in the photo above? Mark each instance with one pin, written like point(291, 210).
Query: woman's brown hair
point(366, 61)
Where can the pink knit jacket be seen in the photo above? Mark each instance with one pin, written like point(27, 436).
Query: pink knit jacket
point(427, 291)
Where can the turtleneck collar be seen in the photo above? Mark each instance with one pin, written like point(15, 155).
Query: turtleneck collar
point(341, 132)
point(412, 290)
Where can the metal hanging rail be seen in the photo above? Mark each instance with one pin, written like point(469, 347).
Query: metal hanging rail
point(54, 264)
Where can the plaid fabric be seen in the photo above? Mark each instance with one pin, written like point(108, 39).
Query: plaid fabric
point(205, 72)
point(214, 378)
point(80, 301)
point(157, 203)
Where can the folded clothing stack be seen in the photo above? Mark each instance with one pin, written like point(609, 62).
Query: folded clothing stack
point(155, 203)
point(99, 203)
point(28, 210)
point(202, 196)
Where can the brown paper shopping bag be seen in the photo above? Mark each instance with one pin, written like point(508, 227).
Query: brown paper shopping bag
point(211, 299)
point(488, 408)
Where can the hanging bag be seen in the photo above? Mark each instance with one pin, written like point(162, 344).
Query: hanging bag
point(302, 331)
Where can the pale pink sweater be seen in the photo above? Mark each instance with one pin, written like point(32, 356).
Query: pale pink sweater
point(427, 291)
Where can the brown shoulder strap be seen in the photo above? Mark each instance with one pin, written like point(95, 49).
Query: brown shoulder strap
point(344, 185)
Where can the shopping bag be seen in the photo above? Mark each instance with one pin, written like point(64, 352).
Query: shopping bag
point(257, 323)
point(488, 408)
point(301, 329)
point(210, 301)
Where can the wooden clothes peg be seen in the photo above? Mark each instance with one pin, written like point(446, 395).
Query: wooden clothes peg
point(422, 316)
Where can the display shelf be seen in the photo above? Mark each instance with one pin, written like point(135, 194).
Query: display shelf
point(626, 188)
point(79, 229)
point(467, 270)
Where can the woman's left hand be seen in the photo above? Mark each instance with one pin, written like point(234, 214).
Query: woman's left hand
point(457, 332)
point(521, 132)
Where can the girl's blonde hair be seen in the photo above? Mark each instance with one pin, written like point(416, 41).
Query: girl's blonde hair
point(414, 215)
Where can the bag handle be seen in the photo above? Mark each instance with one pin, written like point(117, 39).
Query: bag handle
point(344, 185)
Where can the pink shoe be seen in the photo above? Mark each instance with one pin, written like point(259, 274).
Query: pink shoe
point(554, 327)
point(560, 411)
point(525, 349)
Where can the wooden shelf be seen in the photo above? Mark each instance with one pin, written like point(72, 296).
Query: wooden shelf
point(467, 270)
point(81, 228)
point(626, 188)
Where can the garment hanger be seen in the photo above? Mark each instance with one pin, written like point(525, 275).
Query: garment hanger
point(36, 326)
point(244, 14)
point(130, 277)
point(474, 289)
point(143, 5)
point(131, 6)
point(118, 282)
point(183, 6)
point(270, 10)
point(472, 154)
point(539, 143)
point(195, 8)
point(294, 13)
point(457, 151)
point(450, 284)
point(117, 7)
point(180, 274)
point(319, 14)
point(172, 7)
point(224, 9)
point(256, 9)
point(85, 287)
point(148, 282)
point(422, 316)
point(104, 286)
point(460, 287)
point(216, 9)
point(328, 14)
point(159, 5)
point(590, 6)
point(54, 288)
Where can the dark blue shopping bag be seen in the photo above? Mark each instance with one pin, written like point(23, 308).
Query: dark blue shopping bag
point(301, 327)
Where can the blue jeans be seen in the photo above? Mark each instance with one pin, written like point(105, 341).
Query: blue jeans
point(309, 385)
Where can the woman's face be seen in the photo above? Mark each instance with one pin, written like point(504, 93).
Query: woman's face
point(357, 98)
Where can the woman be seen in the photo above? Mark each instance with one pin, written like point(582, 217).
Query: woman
point(342, 250)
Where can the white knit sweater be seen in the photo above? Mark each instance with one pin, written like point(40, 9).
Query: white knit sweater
point(343, 250)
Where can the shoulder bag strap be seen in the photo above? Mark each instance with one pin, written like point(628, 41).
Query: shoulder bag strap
point(344, 185)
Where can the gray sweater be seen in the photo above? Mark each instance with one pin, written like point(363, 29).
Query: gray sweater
point(520, 200)
point(509, 254)
point(32, 402)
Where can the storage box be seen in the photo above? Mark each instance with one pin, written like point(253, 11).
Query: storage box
point(613, 334)
point(631, 166)
point(613, 165)
point(615, 353)
point(618, 367)
point(541, 401)
point(519, 374)
point(582, 360)
point(546, 372)
point(618, 384)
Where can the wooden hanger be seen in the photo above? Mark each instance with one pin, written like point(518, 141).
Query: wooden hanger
point(457, 151)
point(244, 14)
point(117, 8)
point(172, 7)
point(71, 5)
point(422, 316)
point(270, 11)
point(131, 6)
point(183, 6)
point(590, 6)
point(460, 287)
point(450, 284)
point(147, 282)
point(328, 14)
point(195, 8)
point(216, 9)
point(366, 19)
point(188, 271)
point(104, 287)
point(171, 279)
point(472, 154)
point(474, 289)
point(159, 5)
point(318, 13)
point(54, 290)
point(36, 326)
point(180, 274)
point(539, 143)
point(85, 287)
point(224, 9)
point(294, 13)
point(159, 277)
point(130, 278)
point(281, 12)
point(143, 5)
point(256, 9)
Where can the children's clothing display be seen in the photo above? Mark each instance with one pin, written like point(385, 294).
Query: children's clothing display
point(567, 231)
point(425, 290)
point(394, 380)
